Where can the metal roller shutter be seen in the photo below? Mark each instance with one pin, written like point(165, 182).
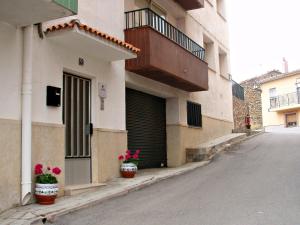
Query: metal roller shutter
point(146, 125)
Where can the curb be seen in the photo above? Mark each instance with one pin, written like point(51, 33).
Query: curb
point(229, 147)
point(51, 217)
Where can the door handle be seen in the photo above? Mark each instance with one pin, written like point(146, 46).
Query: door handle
point(91, 129)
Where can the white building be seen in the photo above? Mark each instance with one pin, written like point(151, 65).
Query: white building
point(69, 100)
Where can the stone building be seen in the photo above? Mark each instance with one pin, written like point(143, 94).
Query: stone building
point(252, 92)
point(240, 107)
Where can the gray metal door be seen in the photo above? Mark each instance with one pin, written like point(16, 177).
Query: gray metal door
point(146, 126)
point(77, 118)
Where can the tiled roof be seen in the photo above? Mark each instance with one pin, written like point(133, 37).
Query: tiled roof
point(92, 31)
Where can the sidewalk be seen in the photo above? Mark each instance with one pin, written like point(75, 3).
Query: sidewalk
point(38, 214)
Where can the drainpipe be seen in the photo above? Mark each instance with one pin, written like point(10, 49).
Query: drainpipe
point(26, 113)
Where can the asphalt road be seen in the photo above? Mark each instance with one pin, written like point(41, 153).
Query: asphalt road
point(257, 183)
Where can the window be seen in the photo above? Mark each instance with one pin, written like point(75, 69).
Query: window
point(272, 92)
point(273, 98)
point(194, 115)
point(208, 45)
point(221, 8)
point(157, 21)
point(158, 10)
point(223, 63)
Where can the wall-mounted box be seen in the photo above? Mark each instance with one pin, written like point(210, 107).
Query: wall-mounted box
point(53, 96)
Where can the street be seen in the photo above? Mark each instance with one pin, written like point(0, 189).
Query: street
point(256, 183)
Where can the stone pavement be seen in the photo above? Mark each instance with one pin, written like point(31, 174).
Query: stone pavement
point(38, 214)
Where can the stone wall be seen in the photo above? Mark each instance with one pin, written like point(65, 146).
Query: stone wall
point(253, 100)
point(240, 110)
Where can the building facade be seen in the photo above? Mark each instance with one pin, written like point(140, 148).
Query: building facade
point(281, 100)
point(94, 78)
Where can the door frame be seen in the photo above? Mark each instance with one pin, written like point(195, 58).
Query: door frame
point(290, 113)
point(65, 73)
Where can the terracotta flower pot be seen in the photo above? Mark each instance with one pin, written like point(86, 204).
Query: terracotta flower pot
point(128, 170)
point(46, 193)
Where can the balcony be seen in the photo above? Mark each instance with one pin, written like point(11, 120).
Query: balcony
point(191, 4)
point(25, 12)
point(285, 102)
point(167, 55)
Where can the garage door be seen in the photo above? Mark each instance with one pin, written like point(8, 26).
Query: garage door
point(146, 126)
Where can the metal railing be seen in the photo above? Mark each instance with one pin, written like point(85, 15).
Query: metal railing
point(285, 100)
point(238, 91)
point(146, 17)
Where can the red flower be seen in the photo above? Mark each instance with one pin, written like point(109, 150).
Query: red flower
point(38, 169)
point(137, 151)
point(135, 156)
point(56, 170)
point(38, 166)
point(127, 156)
point(121, 157)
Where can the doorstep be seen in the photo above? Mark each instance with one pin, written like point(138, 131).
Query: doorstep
point(82, 188)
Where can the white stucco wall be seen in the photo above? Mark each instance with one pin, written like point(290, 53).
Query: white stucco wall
point(51, 60)
point(11, 43)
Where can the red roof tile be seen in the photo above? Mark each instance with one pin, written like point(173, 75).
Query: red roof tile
point(93, 31)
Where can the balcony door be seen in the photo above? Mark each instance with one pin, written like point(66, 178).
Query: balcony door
point(76, 115)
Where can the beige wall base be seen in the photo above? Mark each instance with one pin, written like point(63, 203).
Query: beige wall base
point(180, 137)
point(48, 148)
point(10, 162)
point(107, 145)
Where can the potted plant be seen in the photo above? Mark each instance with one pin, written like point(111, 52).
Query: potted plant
point(129, 163)
point(46, 184)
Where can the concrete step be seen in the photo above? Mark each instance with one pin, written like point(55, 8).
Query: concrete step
point(207, 150)
point(82, 188)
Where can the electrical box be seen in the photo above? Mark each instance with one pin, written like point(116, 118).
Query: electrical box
point(53, 96)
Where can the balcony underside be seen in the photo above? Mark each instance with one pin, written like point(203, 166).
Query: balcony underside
point(89, 44)
point(285, 108)
point(26, 12)
point(191, 4)
point(165, 61)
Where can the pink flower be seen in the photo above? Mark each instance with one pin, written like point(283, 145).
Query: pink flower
point(137, 151)
point(135, 156)
point(127, 157)
point(121, 157)
point(56, 170)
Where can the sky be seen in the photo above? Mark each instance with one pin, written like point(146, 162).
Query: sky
point(261, 33)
